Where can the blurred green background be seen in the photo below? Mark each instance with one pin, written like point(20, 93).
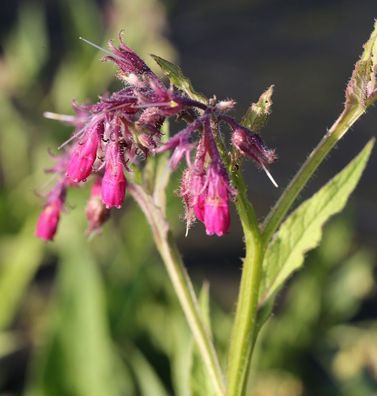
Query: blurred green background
point(98, 317)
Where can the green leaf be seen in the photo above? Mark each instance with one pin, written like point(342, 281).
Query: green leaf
point(176, 77)
point(302, 230)
point(256, 115)
point(78, 358)
point(181, 355)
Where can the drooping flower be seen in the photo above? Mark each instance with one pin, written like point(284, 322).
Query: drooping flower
point(113, 182)
point(124, 127)
point(216, 203)
point(205, 186)
point(84, 153)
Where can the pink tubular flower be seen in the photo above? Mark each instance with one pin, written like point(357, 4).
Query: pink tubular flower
point(216, 207)
point(84, 154)
point(113, 182)
point(95, 211)
point(125, 126)
point(49, 219)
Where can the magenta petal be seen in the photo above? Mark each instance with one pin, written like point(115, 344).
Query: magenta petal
point(114, 187)
point(83, 157)
point(216, 219)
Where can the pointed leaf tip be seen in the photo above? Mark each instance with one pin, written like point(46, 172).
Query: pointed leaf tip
point(257, 114)
point(362, 87)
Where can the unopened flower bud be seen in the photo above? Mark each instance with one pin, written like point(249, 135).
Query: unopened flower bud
point(251, 145)
point(129, 63)
point(225, 105)
point(48, 220)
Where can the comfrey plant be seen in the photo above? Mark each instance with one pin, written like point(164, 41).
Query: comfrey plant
point(116, 140)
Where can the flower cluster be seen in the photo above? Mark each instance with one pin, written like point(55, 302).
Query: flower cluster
point(124, 127)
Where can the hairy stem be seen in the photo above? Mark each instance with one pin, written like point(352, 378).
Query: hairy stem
point(335, 133)
point(182, 285)
point(244, 331)
point(244, 326)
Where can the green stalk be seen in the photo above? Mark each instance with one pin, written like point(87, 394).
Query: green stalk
point(243, 332)
point(335, 133)
point(182, 285)
point(244, 326)
point(184, 290)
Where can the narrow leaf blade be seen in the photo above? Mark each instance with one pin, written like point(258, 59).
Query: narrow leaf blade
point(148, 380)
point(177, 78)
point(302, 230)
point(78, 357)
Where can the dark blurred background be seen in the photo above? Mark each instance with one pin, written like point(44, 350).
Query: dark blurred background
point(78, 315)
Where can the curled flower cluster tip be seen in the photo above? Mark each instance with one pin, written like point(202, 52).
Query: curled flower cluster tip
point(124, 128)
